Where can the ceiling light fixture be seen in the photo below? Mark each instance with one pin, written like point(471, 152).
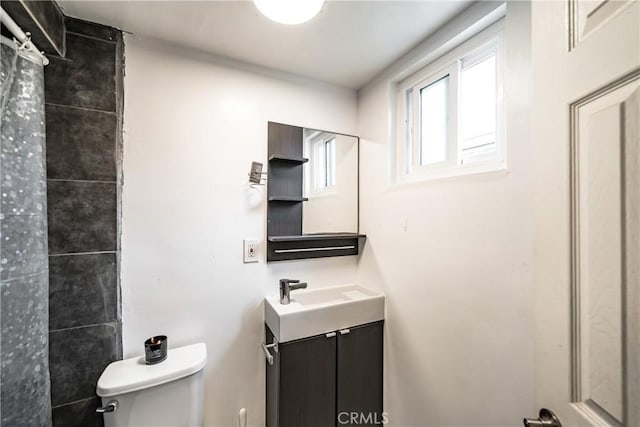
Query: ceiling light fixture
point(289, 12)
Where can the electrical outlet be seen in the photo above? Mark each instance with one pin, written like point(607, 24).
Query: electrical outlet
point(251, 250)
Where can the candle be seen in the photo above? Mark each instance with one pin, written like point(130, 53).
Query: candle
point(155, 349)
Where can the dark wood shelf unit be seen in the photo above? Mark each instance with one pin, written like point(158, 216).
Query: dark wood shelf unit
point(284, 180)
point(284, 248)
point(282, 158)
point(286, 199)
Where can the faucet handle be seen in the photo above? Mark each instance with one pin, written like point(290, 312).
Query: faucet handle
point(284, 282)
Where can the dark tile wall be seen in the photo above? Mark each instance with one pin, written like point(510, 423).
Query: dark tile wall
point(68, 278)
point(48, 33)
point(74, 82)
point(70, 154)
point(77, 357)
point(83, 119)
point(81, 216)
point(81, 414)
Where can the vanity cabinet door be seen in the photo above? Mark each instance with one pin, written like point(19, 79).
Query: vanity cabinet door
point(359, 375)
point(307, 383)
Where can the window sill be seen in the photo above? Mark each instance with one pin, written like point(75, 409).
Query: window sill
point(444, 174)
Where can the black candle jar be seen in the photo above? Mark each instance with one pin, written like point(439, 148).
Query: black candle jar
point(155, 349)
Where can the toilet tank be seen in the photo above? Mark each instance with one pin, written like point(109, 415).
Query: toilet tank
point(170, 393)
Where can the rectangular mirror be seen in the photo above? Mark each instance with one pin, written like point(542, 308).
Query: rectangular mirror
point(330, 183)
point(312, 194)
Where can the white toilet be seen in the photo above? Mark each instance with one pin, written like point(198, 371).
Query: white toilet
point(170, 393)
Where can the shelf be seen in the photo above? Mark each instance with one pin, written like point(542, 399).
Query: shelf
point(286, 199)
point(310, 237)
point(282, 248)
point(288, 159)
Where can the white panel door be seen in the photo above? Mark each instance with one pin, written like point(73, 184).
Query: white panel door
point(586, 59)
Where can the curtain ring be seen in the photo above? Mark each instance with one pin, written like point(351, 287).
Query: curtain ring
point(26, 44)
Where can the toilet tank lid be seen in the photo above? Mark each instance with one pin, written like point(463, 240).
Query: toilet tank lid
point(126, 376)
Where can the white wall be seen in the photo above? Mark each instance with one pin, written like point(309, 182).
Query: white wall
point(454, 258)
point(192, 127)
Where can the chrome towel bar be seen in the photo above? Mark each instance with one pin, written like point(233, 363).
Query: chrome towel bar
point(330, 248)
point(267, 353)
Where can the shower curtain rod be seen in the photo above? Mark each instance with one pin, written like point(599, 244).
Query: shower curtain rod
point(20, 35)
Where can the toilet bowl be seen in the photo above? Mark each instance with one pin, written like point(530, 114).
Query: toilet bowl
point(170, 393)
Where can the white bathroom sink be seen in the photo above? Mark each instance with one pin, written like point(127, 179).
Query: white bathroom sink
point(318, 311)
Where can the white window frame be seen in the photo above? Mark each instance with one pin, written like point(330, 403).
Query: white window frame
point(475, 48)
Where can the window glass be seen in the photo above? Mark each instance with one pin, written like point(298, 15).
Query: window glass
point(434, 122)
point(477, 107)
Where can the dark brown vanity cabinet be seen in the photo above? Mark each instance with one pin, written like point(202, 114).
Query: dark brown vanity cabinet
point(314, 381)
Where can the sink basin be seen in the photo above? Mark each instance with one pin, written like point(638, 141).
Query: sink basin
point(319, 311)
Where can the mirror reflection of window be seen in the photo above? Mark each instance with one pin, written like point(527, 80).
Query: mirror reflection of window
point(330, 163)
point(323, 163)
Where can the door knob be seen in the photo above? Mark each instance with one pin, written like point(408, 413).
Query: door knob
point(546, 418)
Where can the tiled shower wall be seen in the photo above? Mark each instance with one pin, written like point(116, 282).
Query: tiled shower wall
point(83, 94)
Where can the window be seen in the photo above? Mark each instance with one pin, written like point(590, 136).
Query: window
point(451, 112)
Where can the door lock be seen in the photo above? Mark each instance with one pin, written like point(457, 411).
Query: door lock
point(545, 418)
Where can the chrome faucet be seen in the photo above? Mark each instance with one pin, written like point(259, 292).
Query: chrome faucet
point(288, 285)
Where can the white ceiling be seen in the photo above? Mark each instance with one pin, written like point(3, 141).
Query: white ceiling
point(347, 44)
